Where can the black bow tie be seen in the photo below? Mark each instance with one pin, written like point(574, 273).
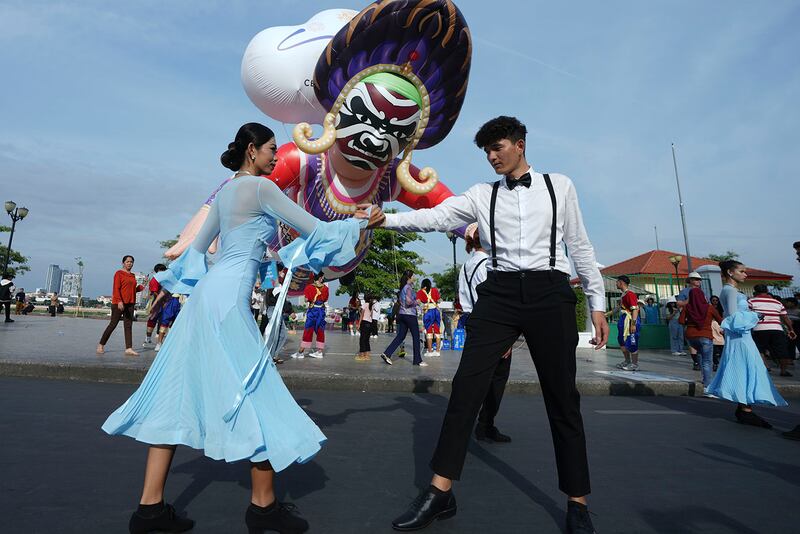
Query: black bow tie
point(525, 180)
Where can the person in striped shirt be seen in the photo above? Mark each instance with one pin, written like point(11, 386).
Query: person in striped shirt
point(769, 333)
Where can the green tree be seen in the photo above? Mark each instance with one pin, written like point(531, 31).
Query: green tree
point(379, 273)
point(580, 308)
point(446, 282)
point(17, 263)
point(166, 245)
point(728, 255)
point(169, 243)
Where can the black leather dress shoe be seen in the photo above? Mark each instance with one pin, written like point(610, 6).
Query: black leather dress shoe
point(490, 434)
point(430, 505)
point(578, 520)
point(752, 419)
point(793, 434)
point(281, 517)
point(166, 520)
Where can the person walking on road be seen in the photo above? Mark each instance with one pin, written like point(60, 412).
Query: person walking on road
point(123, 299)
point(406, 320)
point(697, 317)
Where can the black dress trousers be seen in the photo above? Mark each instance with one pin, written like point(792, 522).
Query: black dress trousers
point(497, 386)
point(541, 306)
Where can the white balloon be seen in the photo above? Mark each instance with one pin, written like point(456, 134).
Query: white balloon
point(278, 66)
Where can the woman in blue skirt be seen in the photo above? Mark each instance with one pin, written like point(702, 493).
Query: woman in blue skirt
point(213, 385)
point(742, 376)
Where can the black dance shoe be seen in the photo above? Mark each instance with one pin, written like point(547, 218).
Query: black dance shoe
point(793, 434)
point(431, 504)
point(165, 520)
point(578, 520)
point(280, 517)
point(491, 434)
point(750, 418)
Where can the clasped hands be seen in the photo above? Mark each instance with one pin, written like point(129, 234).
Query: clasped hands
point(372, 212)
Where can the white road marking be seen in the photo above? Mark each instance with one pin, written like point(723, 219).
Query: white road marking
point(640, 412)
point(638, 376)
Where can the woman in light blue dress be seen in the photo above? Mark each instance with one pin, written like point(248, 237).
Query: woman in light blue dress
point(742, 376)
point(213, 385)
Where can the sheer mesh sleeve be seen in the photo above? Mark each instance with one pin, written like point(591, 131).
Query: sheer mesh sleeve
point(273, 202)
point(209, 231)
point(728, 297)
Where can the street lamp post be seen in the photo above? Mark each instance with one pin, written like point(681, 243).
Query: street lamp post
point(16, 214)
point(683, 215)
point(675, 261)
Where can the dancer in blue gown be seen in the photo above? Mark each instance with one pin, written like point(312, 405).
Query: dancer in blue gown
point(742, 376)
point(213, 385)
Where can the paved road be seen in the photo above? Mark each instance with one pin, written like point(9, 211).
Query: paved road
point(64, 347)
point(659, 464)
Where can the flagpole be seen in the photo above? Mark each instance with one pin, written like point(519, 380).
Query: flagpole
point(683, 215)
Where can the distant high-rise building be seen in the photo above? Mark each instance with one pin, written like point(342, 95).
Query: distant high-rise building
point(70, 284)
point(53, 281)
point(142, 296)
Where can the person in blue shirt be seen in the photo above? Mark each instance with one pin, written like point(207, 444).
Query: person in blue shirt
point(651, 311)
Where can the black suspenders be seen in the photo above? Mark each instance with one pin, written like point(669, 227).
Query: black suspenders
point(492, 206)
point(553, 223)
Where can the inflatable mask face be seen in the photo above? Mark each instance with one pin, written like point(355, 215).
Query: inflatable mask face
point(375, 124)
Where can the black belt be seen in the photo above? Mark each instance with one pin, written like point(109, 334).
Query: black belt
point(519, 275)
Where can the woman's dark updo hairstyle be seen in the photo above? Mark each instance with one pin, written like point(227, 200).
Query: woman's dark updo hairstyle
point(252, 132)
point(426, 284)
point(727, 265)
point(126, 256)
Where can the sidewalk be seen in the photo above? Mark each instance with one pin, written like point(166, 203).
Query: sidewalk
point(63, 348)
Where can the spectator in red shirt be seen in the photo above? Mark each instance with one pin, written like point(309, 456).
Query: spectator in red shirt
point(123, 298)
point(628, 326)
point(156, 302)
point(432, 317)
point(316, 296)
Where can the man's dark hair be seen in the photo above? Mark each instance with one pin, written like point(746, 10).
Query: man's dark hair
point(501, 127)
point(759, 289)
point(624, 278)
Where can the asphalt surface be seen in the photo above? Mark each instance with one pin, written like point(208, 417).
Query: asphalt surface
point(659, 464)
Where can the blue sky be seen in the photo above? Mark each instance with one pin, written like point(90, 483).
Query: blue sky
point(114, 116)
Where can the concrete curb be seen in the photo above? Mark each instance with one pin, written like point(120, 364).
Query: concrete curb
point(340, 382)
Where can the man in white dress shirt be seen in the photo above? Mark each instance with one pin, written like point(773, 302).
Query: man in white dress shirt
point(526, 216)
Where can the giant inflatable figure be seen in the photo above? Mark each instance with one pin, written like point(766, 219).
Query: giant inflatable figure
point(382, 82)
